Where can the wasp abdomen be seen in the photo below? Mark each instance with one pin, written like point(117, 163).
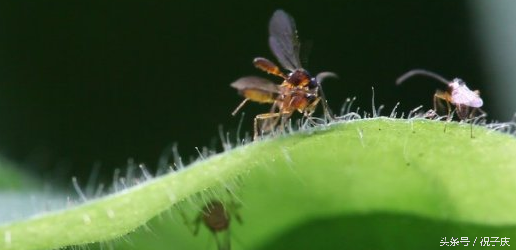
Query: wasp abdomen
point(257, 95)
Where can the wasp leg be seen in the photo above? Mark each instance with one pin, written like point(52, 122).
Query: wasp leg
point(233, 208)
point(193, 226)
point(265, 117)
point(310, 109)
point(239, 106)
point(475, 110)
point(285, 115)
point(445, 96)
point(223, 240)
point(197, 224)
point(474, 118)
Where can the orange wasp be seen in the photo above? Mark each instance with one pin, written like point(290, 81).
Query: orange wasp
point(298, 91)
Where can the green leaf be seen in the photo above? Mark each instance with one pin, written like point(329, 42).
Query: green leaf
point(375, 183)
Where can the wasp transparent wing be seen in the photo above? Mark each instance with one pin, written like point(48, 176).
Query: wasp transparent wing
point(254, 82)
point(283, 40)
point(462, 95)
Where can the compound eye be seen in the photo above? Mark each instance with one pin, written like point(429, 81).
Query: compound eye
point(459, 81)
point(313, 84)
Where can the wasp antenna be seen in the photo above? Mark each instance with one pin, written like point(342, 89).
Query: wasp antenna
point(319, 79)
point(324, 75)
point(326, 108)
point(414, 72)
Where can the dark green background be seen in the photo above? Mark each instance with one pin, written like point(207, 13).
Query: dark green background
point(103, 81)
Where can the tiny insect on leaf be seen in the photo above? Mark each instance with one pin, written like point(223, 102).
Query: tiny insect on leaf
point(299, 91)
point(466, 101)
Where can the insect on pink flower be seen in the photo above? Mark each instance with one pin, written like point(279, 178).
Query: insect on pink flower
point(467, 102)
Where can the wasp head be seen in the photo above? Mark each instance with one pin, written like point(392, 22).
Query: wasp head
point(456, 83)
point(313, 84)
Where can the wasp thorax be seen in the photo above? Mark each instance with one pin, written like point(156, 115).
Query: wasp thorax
point(299, 77)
